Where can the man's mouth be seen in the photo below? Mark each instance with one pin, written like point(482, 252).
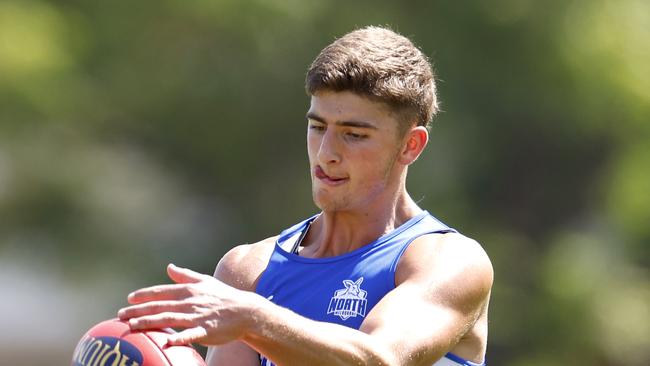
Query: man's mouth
point(331, 180)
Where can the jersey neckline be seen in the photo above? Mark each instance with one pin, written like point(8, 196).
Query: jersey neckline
point(398, 230)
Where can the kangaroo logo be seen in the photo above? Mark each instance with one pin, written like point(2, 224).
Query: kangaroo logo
point(350, 301)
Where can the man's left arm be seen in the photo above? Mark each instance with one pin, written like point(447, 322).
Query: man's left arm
point(443, 285)
point(443, 282)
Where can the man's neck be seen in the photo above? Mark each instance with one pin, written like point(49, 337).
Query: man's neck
point(338, 232)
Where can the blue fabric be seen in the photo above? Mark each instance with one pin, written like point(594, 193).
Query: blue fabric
point(462, 361)
point(341, 289)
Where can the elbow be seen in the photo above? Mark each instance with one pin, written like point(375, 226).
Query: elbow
point(377, 356)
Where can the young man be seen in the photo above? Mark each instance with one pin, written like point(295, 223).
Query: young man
point(372, 279)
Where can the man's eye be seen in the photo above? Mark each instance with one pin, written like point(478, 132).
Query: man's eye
point(356, 136)
point(316, 127)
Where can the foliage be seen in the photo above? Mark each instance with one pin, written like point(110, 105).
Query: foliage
point(137, 133)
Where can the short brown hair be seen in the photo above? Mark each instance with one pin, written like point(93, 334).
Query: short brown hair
point(382, 65)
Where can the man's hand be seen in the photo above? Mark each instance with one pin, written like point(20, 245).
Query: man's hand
point(210, 311)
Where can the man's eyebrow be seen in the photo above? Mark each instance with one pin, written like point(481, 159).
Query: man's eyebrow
point(359, 124)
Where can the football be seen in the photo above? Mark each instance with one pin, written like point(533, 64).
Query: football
point(112, 343)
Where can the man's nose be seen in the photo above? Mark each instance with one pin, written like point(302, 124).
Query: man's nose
point(328, 152)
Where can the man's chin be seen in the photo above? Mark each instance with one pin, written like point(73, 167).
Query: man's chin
point(327, 203)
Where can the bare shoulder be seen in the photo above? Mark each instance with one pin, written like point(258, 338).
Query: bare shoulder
point(450, 264)
point(242, 266)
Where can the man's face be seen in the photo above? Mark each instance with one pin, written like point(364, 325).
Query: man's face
point(353, 144)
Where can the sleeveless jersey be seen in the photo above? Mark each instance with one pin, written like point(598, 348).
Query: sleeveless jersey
point(342, 289)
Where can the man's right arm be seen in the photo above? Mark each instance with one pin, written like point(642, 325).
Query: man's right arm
point(240, 268)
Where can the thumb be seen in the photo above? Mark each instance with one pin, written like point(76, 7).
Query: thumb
point(187, 336)
point(184, 275)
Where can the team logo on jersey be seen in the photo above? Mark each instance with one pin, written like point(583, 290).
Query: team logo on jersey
point(350, 301)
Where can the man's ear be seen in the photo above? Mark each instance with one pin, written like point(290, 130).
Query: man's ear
point(413, 143)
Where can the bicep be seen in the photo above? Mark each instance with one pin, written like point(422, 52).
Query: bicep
point(415, 329)
point(234, 353)
point(443, 284)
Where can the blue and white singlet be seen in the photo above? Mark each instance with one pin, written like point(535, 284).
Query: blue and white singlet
point(342, 289)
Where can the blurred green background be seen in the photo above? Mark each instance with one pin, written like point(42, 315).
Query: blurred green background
point(137, 133)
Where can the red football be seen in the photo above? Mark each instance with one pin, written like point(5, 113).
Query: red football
point(112, 343)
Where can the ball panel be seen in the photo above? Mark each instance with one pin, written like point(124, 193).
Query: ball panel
point(159, 336)
point(185, 356)
point(152, 354)
point(110, 328)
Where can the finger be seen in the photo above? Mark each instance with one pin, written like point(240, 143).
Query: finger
point(190, 335)
point(162, 320)
point(184, 275)
point(150, 308)
point(159, 293)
